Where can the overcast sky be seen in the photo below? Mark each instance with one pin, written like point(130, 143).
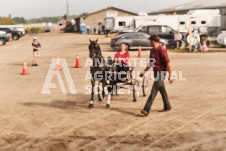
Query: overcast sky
point(41, 8)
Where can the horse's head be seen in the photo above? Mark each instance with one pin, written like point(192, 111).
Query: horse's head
point(94, 49)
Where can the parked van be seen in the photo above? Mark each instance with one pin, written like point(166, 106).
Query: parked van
point(49, 27)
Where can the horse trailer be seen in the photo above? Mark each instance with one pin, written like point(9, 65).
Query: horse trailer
point(200, 20)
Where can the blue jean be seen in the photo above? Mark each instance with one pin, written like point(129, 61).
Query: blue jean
point(198, 46)
point(175, 43)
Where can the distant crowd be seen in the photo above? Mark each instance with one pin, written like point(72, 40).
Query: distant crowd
point(196, 44)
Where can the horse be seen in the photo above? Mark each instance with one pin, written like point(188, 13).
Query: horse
point(105, 69)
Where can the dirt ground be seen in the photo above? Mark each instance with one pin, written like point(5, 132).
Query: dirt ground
point(33, 121)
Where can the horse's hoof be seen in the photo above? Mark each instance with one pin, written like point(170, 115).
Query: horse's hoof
point(107, 106)
point(90, 105)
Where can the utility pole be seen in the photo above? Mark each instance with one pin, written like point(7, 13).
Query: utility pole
point(190, 34)
point(67, 9)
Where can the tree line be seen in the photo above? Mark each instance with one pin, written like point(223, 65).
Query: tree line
point(21, 20)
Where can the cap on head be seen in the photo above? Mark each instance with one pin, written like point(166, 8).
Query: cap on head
point(35, 38)
point(154, 38)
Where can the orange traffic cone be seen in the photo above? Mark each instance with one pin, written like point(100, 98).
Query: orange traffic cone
point(77, 65)
point(139, 51)
point(25, 70)
point(58, 67)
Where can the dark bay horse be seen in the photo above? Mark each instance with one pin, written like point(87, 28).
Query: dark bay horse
point(101, 68)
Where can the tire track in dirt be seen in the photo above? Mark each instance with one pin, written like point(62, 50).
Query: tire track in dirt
point(175, 130)
point(143, 125)
point(122, 130)
point(87, 123)
point(57, 136)
point(18, 118)
point(63, 133)
point(193, 144)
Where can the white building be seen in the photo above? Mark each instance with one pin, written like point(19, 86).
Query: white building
point(197, 4)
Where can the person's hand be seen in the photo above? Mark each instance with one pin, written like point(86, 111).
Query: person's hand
point(141, 75)
point(170, 80)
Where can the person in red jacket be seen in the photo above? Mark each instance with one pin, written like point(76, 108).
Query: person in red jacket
point(122, 58)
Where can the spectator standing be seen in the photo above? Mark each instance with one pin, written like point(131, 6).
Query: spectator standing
point(87, 27)
point(36, 46)
point(94, 30)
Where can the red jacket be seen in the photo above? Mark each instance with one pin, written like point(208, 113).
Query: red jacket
point(124, 55)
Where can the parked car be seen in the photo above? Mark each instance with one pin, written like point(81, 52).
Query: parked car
point(163, 31)
point(133, 40)
point(4, 37)
point(49, 27)
point(19, 29)
point(15, 34)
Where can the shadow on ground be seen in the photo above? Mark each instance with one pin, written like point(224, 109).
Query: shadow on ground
point(213, 141)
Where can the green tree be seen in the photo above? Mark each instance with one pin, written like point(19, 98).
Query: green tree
point(65, 17)
point(7, 21)
point(49, 19)
point(19, 20)
point(44, 19)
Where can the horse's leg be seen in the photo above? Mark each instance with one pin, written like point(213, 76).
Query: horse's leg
point(116, 88)
point(113, 90)
point(92, 94)
point(110, 91)
point(113, 84)
point(103, 86)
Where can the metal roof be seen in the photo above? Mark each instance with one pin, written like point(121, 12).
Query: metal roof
point(197, 4)
point(105, 9)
